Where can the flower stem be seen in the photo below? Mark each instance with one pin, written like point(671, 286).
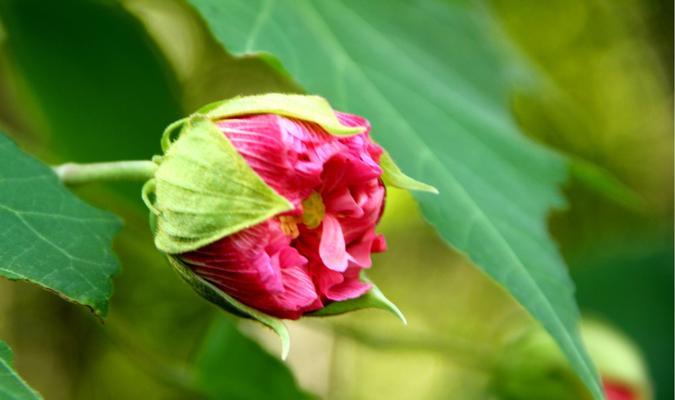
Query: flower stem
point(77, 174)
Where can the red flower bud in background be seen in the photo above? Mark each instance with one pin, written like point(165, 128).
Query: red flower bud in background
point(532, 367)
point(300, 260)
point(618, 391)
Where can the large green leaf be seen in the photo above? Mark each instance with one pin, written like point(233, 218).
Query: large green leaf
point(435, 90)
point(51, 238)
point(12, 387)
point(231, 366)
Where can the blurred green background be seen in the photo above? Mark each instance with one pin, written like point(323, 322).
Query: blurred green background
point(98, 80)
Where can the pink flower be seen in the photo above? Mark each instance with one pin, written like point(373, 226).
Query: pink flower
point(311, 256)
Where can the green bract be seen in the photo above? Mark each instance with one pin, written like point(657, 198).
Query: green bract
point(204, 190)
point(307, 108)
point(374, 298)
point(393, 176)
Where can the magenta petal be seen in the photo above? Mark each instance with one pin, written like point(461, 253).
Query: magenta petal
point(353, 120)
point(350, 288)
point(359, 252)
point(332, 248)
point(342, 202)
point(379, 244)
point(299, 294)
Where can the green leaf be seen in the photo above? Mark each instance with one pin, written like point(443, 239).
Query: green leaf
point(12, 387)
point(374, 298)
point(50, 237)
point(231, 366)
point(393, 176)
point(309, 108)
point(435, 89)
point(211, 293)
point(204, 190)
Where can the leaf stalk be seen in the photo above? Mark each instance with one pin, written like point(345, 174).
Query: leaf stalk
point(73, 174)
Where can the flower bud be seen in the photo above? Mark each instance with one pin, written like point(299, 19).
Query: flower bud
point(533, 368)
point(622, 370)
point(271, 202)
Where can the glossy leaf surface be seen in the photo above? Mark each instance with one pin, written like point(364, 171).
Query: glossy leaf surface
point(435, 89)
point(51, 238)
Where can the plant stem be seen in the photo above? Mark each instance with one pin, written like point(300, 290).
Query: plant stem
point(78, 174)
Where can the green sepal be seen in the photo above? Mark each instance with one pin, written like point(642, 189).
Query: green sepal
point(307, 108)
point(228, 303)
point(374, 298)
point(204, 190)
point(393, 176)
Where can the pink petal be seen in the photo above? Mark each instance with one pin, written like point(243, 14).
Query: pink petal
point(299, 290)
point(350, 288)
point(353, 120)
point(281, 151)
point(260, 268)
point(342, 202)
point(379, 244)
point(240, 262)
point(359, 252)
point(332, 247)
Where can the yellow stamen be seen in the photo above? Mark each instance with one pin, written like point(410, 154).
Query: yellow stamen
point(313, 213)
point(289, 225)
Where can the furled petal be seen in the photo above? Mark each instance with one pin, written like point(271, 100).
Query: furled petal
point(272, 147)
point(359, 251)
point(299, 295)
point(332, 247)
point(379, 244)
point(353, 120)
point(342, 202)
point(259, 267)
point(240, 262)
point(351, 287)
